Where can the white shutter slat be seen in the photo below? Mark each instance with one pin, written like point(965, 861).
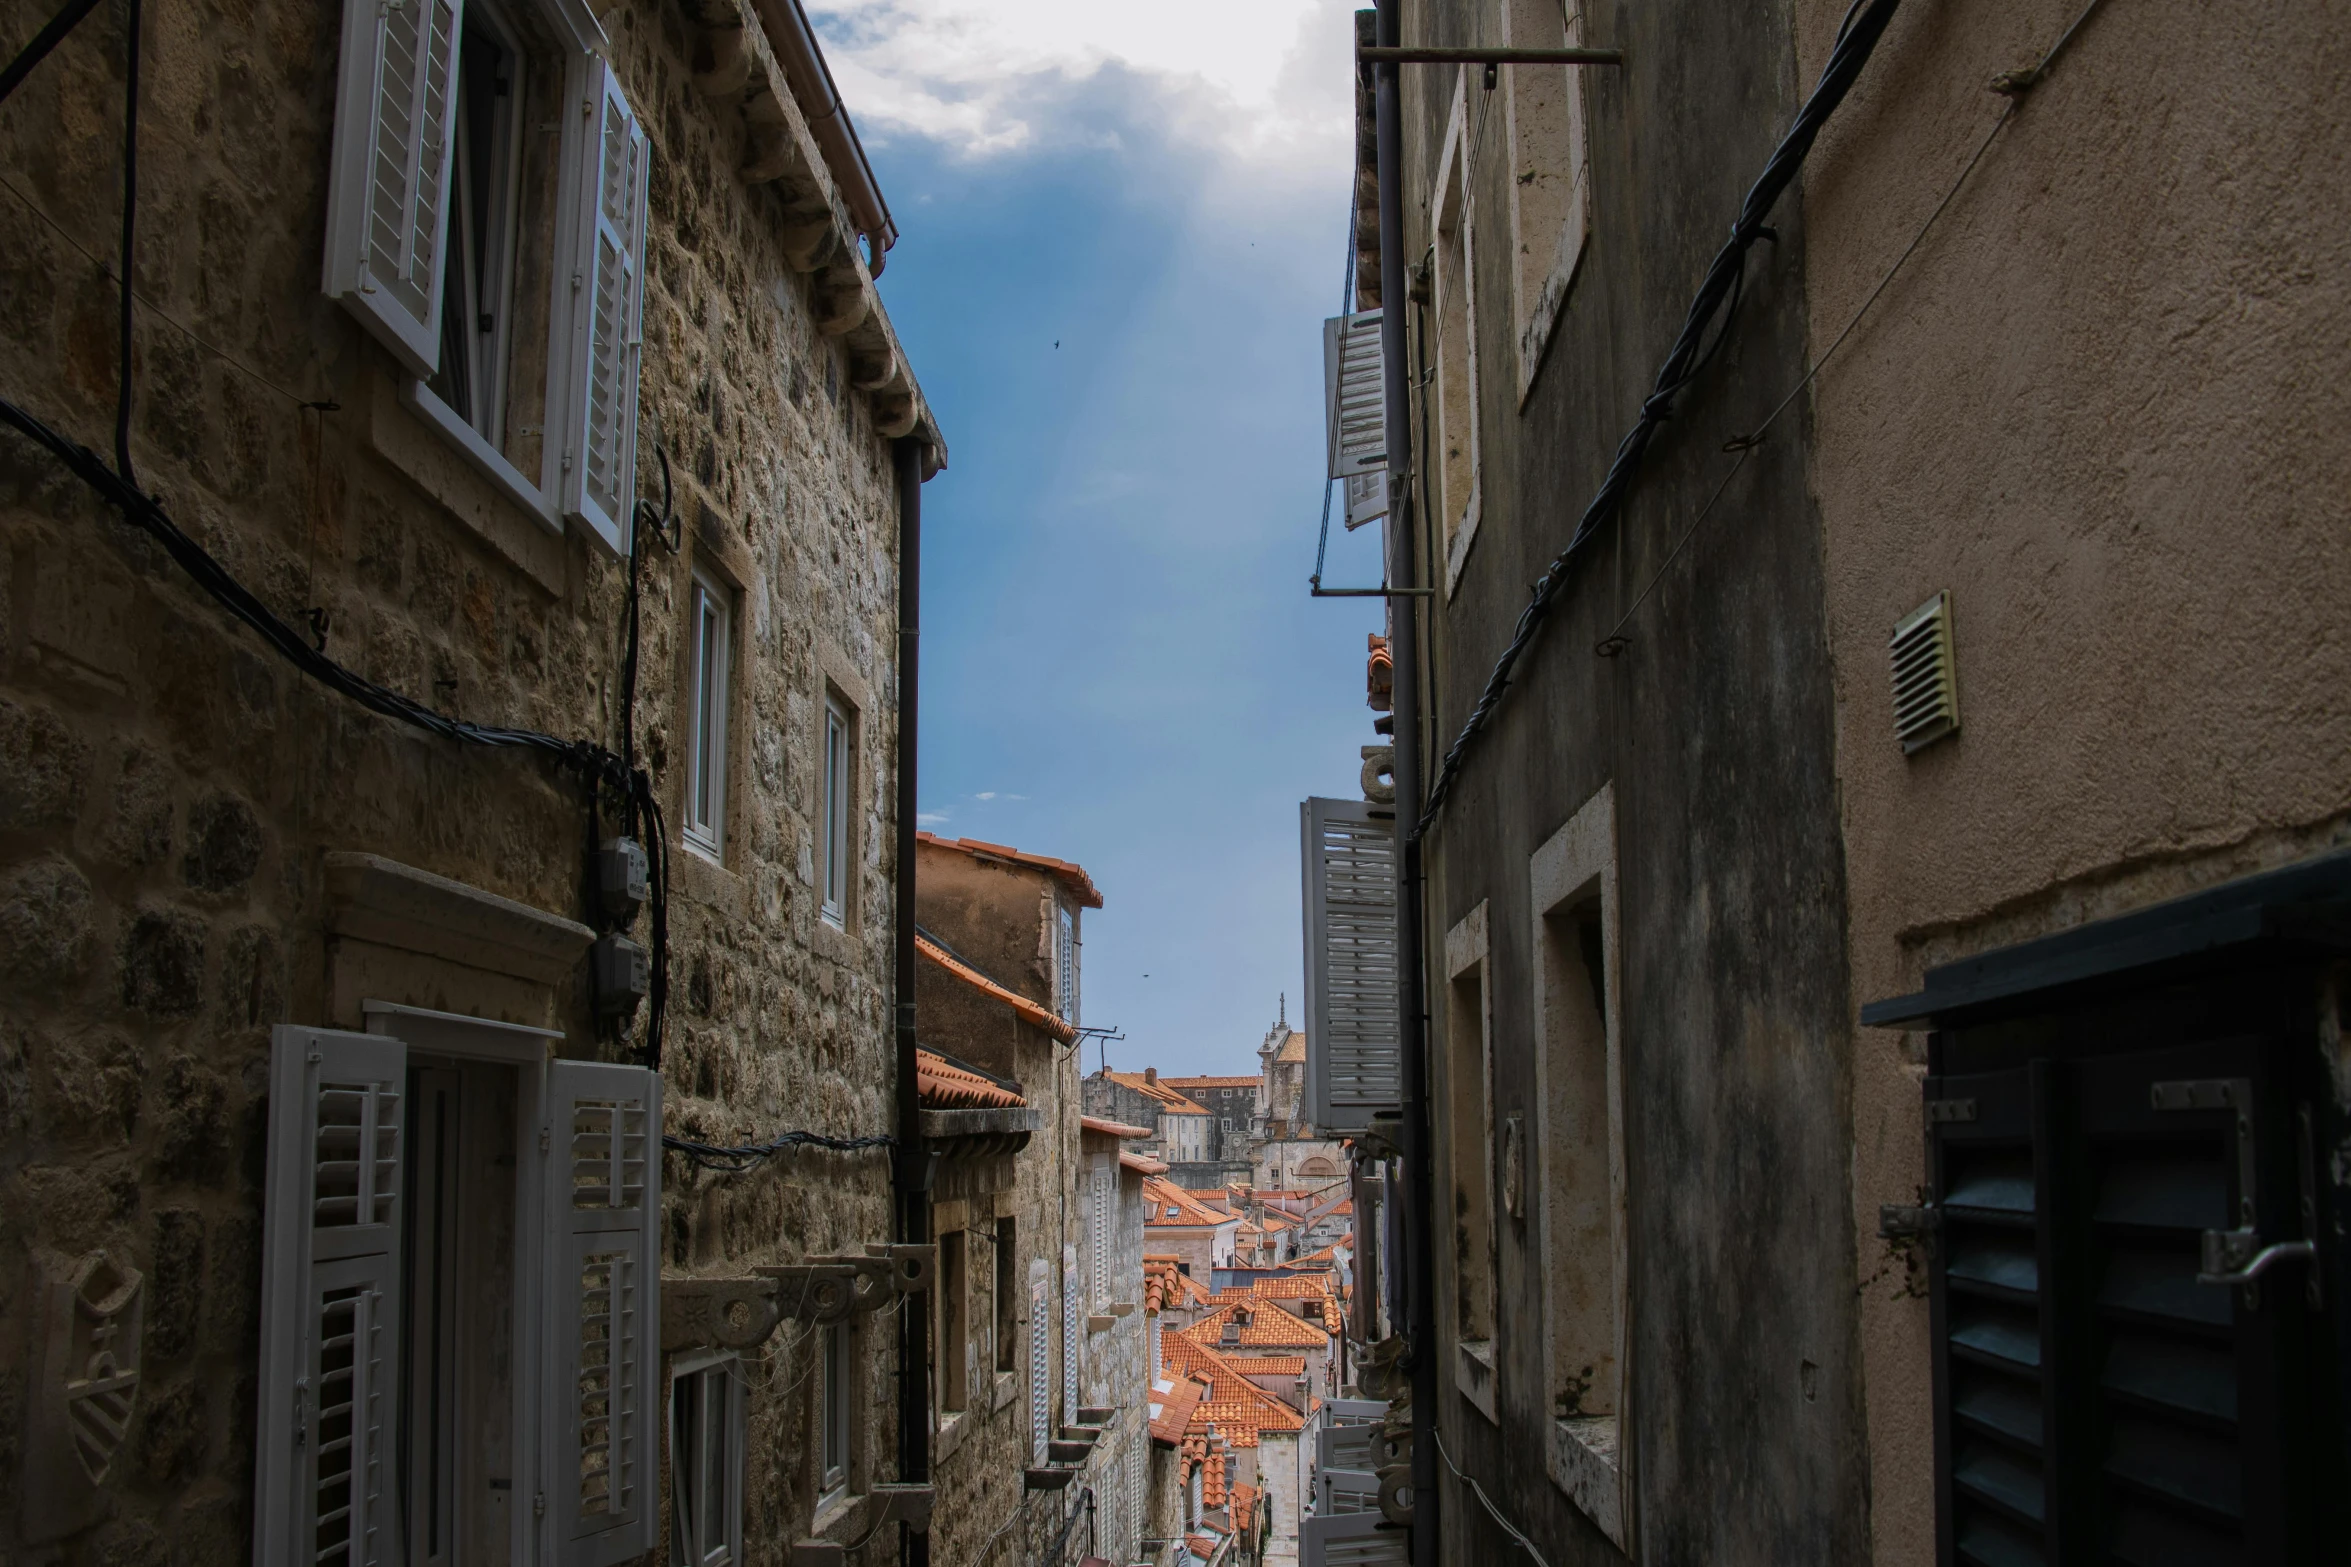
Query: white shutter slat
point(1040, 1353)
point(1354, 1062)
point(608, 196)
point(1072, 1328)
point(324, 1481)
point(1354, 395)
point(1352, 1540)
point(387, 189)
point(603, 1293)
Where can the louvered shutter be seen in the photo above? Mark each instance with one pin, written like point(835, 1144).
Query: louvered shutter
point(1355, 413)
point(387, 188)
point(602, 1294)
point(1352, 1540)
point(1040, 1363)
point(608, 196)
point(1072, 1327)
point(1354, 1065)
point(1100, 1239)
point(325, 1480)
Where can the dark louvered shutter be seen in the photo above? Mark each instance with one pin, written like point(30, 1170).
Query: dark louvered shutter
point(2095, 1401)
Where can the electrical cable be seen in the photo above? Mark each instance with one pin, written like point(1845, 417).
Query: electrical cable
point(1508, 1527)
point(1856, 39)
point(734, 1159)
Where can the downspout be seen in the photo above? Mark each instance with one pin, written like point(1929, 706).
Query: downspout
point(912, 1167)
point(1404, 644)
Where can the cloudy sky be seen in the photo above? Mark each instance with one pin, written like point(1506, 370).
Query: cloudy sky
point(1121, 228)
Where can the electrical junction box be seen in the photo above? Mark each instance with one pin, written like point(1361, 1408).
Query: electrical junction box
point(621, 972)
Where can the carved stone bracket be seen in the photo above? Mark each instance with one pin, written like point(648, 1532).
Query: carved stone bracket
point(84, 1386)
point(740, 1312)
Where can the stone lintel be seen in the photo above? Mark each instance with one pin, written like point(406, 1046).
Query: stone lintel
point(371, 898)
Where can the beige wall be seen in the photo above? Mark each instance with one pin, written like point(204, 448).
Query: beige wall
point(2103, 405)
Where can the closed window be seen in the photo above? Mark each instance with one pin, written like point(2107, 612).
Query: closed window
point(711, 610)
point(835, 811)
point(706, 1461)
point(501, 265)
point(833, 1413)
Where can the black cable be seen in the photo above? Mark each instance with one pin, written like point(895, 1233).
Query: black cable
point(1688, 357)
point(734, 1159)
point(46, 39)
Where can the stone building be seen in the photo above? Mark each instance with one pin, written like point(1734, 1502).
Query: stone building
point(1907, 826)
point(1288, 1151)
point(1183, 1131)
point(311, 1108)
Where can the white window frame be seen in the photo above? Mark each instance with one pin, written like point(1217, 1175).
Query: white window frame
point(836, 874)
point(598, 259)
point(708, 1456)
point(1454, 353)
point(1550, 169)
point(709, 693)
point(1589, 1458)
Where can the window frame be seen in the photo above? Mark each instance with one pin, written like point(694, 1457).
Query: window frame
point(835, 1448)
point(957, 1354)
point(689, 1469)
point(1469, 1050)
point(1452, 348)
point(836, 824)
point(1544, 265)
point(1588, 1457)
point(702, 822)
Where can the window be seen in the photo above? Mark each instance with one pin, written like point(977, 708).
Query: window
point(501, 268)
point(1453, 328)
point(456, 1229)
point(1550, 175)
point(1579, 1154)
point(833, 1413)
point(711, 608)
point(1007, 1301)
point(839, 732)
point(1467, 1092)
point(706, 1449)
point(956, 1350)
point(1065, 975)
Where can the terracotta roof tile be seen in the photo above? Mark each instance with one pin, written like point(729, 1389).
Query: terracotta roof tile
point(940, 1085)
point(1155, 1088)
point(1112, 1128)
point(1169, 1204)
point(1136, 1161)
point(1175, 1408)
point(1267, 1327)
point(1269, 1365)
point(1029, 1011)
point(1187, 1084)
point(1238, 1408)
point(1072, 876)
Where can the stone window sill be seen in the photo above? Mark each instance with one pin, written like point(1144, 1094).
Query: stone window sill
point(1007, 1384)
point(1584, 1464)
point(954, 1426)
point(1473, 1373)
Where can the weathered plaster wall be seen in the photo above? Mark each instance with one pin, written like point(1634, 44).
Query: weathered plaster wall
point(2103, 406)
point(167, 788)
point(1713, 723)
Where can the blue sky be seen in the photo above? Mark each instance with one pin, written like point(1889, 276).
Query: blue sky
point(1121, 665)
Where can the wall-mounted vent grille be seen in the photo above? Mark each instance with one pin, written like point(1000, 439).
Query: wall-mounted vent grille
point(1926, 678)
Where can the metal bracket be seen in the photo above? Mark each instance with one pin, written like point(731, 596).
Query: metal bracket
point(1942, 1110)
point(833, 1289)
point(1908, 1221)
point(2236, 1257)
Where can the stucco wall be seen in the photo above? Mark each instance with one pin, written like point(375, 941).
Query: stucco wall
point(2103, 406)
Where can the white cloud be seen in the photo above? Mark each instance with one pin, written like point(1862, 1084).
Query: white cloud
point(1267, 80)
point(930, 818)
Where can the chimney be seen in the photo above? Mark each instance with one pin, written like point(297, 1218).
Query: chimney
point(1150, 1074)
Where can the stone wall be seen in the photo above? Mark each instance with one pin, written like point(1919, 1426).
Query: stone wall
point(169, 788)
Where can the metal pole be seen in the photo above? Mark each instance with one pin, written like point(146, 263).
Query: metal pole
point(911, 1168)
point(1420, 1329)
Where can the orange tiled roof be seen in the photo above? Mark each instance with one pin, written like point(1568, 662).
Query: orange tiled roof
point(1156, 1088)
point(1094, 1123)
point(1267, 1327)
point(1168, 1203)
point(1240, 1410)
point(1030, 1011)
point(1295, 1286)
point(1165, 1284)
point(1270, 1365)
point(1136, 1161)
point(1072, 876)
point(1175, 1408)
point(1245, 1508)
point(942, 1086)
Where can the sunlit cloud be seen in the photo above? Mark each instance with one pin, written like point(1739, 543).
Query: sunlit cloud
point(930, 818)
point(1263, 80)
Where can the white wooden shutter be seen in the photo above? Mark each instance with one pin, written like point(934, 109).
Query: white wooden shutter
point(1355, 413)
point(608, 295)
point(1100, 1237)
point(325, 1470)
point(1040, 1362)
point(603, 1296)
point(1352, 1540)
point(388, 186)
point(1072, 1330)
point(1354, 1065)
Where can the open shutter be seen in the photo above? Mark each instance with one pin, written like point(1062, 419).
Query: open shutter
point(1352, 1540)
point(325, 1473)
point(603, 1294)
point(1072, 1332)
point(387, 189)
point(1102, 1230)
point(1354, 1065)
point(608, 197)
point(1355, 413)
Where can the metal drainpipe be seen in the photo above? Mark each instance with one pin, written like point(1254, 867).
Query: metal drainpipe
point(1420, 1329)
point(912, 1167)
